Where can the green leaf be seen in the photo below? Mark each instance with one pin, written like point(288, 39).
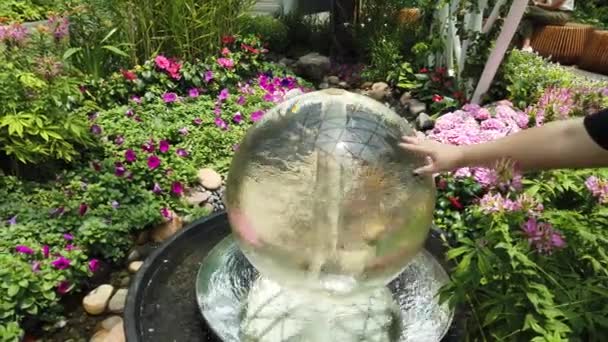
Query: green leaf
point(70, 52)
point(115, 50)
point(453, 253)
point(13, 289)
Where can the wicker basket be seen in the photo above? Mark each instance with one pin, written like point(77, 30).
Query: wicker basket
point(595, 57)
point(563, 44)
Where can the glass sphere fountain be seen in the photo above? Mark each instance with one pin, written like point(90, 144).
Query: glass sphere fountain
point(329, 225)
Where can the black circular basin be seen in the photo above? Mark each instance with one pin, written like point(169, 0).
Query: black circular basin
point(162, 306)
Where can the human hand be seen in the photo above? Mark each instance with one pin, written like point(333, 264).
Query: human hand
point(442, 157)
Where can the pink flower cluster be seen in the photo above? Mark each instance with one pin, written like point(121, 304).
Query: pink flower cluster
point(598, 188)
point(495, 203)
point(60, 27)
point(555, 104)
point(542, 236)
point(168, 65)
point(473, 125)
point(15, 33)
point(276, 88)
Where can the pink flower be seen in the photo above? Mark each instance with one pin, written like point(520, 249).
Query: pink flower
point(225, 52)
point(157, 189)
point(197, 121)
point(95, 129)
point(153, 162)
point(36, 266)
point(437, 98)
point(241, 101)
point(169, 97)
point(181, 152)
point(257, 116)
point(63, 287)
point(183, 131)
point(128, 75)
point(193, 92)
point(162, 62)
point(119, 140)
point(70, 247)
point(542, 236)
point(45, 251)
point(208, 76)
point(68, 237)
point(119, 169)
point(217, 111)
point(130, 156)
point(219, 122)
point(173, 70)
point(61, 263)
point(136, 99)
point(224, 94)
point(225, 63)
point(237, 118)
point(83, 209)
point(598, 188)
point(166, 213)
point(24, 249)
point(163, 146)
point(93, 265)
point(129, 112)
point(177, 188)
point(149, 146)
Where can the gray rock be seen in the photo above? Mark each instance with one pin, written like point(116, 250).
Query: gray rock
point(134, 255)
point(286, 61)
point(197, 197)
point(117, 303)
point(405, 99)
point(424, 122)
point(379, 91)
point(333, 80)
point(416, 107)
point(343, 85)
point(293, 93)
point(124, 281)
point(367, 85)
point(313, 66)
point(96, 301)
point(324, 85)
point(209, 179)
point(135, 266)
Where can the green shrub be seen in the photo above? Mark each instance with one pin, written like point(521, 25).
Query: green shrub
point(269, 29)
point(385, 62)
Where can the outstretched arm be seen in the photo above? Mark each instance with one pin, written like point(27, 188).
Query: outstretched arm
point(559, 144)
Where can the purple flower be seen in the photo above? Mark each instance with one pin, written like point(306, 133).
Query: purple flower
point(82, 209)
point(177, 188)
point(166, 213)
point(61, 263)
point(45, 251)
point(68, 237)
point(220, 123)
point(163, 146)
point(136, 99)
point(208, 76)
point(257, 116)
point(95, 129)
point(183, 131)
point(217, 111)
point(241, 101)
point(157, 189)
point(36, 266)
point(153, 162)
point(119, 140)
point(149, 146)
point(63, 287)
point(24, 249)
point(197, 121)
point(130, 156)
point(115, 204)
point(93, 265)
point(193, 92)
point(119, 169)
point(181, 152)
point(129, 112)
point(224, 94)
point(70, 247)
point(93, 116)
point(542, 236)
point(598, 188)
point(237, 118)
point(137, 119)
point(169, 97)
point(12, 221)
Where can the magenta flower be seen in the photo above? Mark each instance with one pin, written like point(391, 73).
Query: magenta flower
point(598, 188)
point(224, 94)
point(177, 188)
point(82, 209)
point(119, 140)
point(36, 266)
point(193, 92)
point(225, 63)
point(257, 116)
point(95, 129)
point(24, 249)
point(129, 112)
point(93, 116)
point(237, 118)
point(130, 156)
point(197, 121)
point(181, 152)
point(241, 101)
point(169, 97)
point(93, 265)
point(63, 287)
point(68, 237)
point(136, 99)
point(220, 123)
point(163, 146)
point(162, 62)
point(12, 221)
point(70, 247)
point(208, 76)
point(217, 111)
point(542, 236)
point(45, 251)
point(153, 162)
point(149, 146)
point(61, 263)
point(157, 189)
point(183, 131)
point(166, 213)
point(137, 119)
point(119, 169)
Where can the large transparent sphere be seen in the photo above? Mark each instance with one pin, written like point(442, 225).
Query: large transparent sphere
point(320, 197)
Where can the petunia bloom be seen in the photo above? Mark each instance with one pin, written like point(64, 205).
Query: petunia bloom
point(82, 209)
point(95, 129)
point(119, 169)
point(241, 101)
point(193, 92)
point(12, 221)
point(208, 76)
point(119, 140)
point(224, 94)
point(237, 118)
point(129, 112)
point(257, 116)
point(177, 188)
point(149, 146)
point(63, 287)
point(24, 249)
point(136, 99)
point(61, 263)
point(36, 266)
point(93, 265)
point(157, 189)
point(437, 98)
point(130, 156)
point(169, 97)
point(70, 247)
point(219, 122)
point(153, 162)
point(68, 237)
point(46, 251)
point(163, 146)
point(166, 213)
point(183, 131)
point(181, 152)
point(225, 51)
point(197, 121)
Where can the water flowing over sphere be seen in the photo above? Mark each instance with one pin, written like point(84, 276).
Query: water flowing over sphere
point(320, 197)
